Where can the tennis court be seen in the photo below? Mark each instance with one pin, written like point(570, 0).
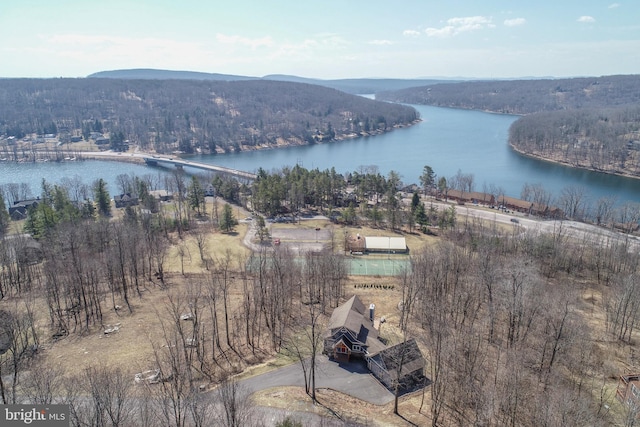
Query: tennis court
point(369, 266)
point(359, 266)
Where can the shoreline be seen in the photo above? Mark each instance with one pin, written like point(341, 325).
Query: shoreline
point(127, 156)
point(568, 165)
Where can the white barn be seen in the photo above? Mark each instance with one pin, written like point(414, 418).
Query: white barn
point(394, 245)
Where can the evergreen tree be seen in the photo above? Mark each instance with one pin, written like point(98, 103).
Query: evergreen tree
point(263, 231)
point(64, 207)
point(102, 198)
point(228, 221)
point(88, 210)
point(4, 217)
point(443, 187)
point(415, 202)
point(349, 214)
point(195, 196)
point(40, 220)
point(420, 216)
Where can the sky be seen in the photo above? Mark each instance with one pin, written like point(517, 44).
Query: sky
point(330, 39)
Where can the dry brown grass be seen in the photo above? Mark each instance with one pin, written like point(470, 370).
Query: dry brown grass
point(348, 408)
point(217, 245)
point(131, 347)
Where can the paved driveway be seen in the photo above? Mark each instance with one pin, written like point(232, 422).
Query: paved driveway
point(353, 379)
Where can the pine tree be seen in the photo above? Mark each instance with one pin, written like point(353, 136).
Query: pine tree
point(228, 221)
point(102, 198)
point(4, 217)
point(263, 231)
point(196, 197)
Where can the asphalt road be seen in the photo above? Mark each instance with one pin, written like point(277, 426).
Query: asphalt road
point(574, 229)
point(353, 379)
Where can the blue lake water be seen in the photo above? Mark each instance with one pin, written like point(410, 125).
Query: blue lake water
point(448, 140)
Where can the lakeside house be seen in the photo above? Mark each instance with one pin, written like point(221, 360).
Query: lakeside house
point(20, 208)
point(473, 197)
point(125, 200)
point(506, 202)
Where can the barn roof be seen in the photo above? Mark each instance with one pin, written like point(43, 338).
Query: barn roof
point(386, 243)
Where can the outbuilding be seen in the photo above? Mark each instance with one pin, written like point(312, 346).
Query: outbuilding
point(393, 245)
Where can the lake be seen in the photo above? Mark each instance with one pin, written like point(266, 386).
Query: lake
point(448, 140)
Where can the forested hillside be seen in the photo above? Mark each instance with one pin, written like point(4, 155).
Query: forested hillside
point(591, 123)
point(604, 139)
point(189, 115)
point(525, 96)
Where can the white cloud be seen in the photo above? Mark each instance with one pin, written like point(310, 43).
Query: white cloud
point(411, 33)
point(381, 42)
point(459, 25)
point(587, 19)
point(515, 22)
point(614, 5)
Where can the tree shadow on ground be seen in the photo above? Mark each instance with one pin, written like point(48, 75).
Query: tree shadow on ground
point(417, 384)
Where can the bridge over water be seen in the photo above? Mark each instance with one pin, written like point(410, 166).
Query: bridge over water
point(180, 163)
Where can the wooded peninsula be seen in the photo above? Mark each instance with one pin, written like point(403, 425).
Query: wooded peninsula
point(591, 123)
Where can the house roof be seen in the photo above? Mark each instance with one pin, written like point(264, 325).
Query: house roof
point(348, 315)
point(511, 201)
point(25, 203)
point(353, 315)
point(469, 195)
point(406, 356)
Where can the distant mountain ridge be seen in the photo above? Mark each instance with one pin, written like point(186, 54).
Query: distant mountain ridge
point(353, 86)
point(154, 74)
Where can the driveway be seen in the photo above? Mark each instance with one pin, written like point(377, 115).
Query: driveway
point(353, 379)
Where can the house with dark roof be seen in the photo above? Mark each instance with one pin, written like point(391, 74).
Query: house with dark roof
point(20, 208)
point(351, 333)
point(125, 200)
point(401, 364)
